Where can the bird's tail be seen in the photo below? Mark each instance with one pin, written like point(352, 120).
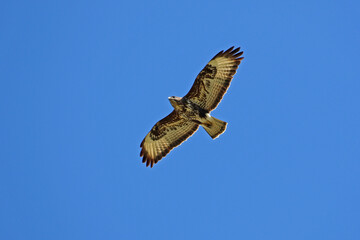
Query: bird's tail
point(214, 127)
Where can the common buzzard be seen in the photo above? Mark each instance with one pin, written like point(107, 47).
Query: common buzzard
point(193, 110)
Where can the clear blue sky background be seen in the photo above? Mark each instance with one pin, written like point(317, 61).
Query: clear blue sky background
point(82, 82)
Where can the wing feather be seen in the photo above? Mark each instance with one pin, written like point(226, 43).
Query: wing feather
point(214, 79)
point(166, 134)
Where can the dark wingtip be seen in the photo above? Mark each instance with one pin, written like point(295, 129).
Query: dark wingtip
point(230, 53)
point(236, 55)
point(219, 53)
point(229, 50)
point(146, 159)
point(235, 50)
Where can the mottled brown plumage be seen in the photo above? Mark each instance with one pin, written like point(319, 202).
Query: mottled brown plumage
point(193, 109)
point(213, 81)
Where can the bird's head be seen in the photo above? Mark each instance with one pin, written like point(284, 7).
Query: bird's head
point(174, 100)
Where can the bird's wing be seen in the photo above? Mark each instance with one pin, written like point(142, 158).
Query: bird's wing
point(166, 134)
point(213, 81)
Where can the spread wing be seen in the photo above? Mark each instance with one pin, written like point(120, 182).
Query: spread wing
point(213, 81)
point(166, 134)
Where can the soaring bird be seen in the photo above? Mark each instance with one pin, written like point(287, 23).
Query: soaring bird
point(193, 110)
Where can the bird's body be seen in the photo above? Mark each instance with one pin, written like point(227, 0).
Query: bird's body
point(193, 110)
point(188, 110)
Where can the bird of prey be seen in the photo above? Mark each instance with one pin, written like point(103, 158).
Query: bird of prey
point(193, 110)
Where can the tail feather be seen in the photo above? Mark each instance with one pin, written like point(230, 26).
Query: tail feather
point(215, 127)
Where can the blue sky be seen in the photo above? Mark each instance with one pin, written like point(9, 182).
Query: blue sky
point(82, 82)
